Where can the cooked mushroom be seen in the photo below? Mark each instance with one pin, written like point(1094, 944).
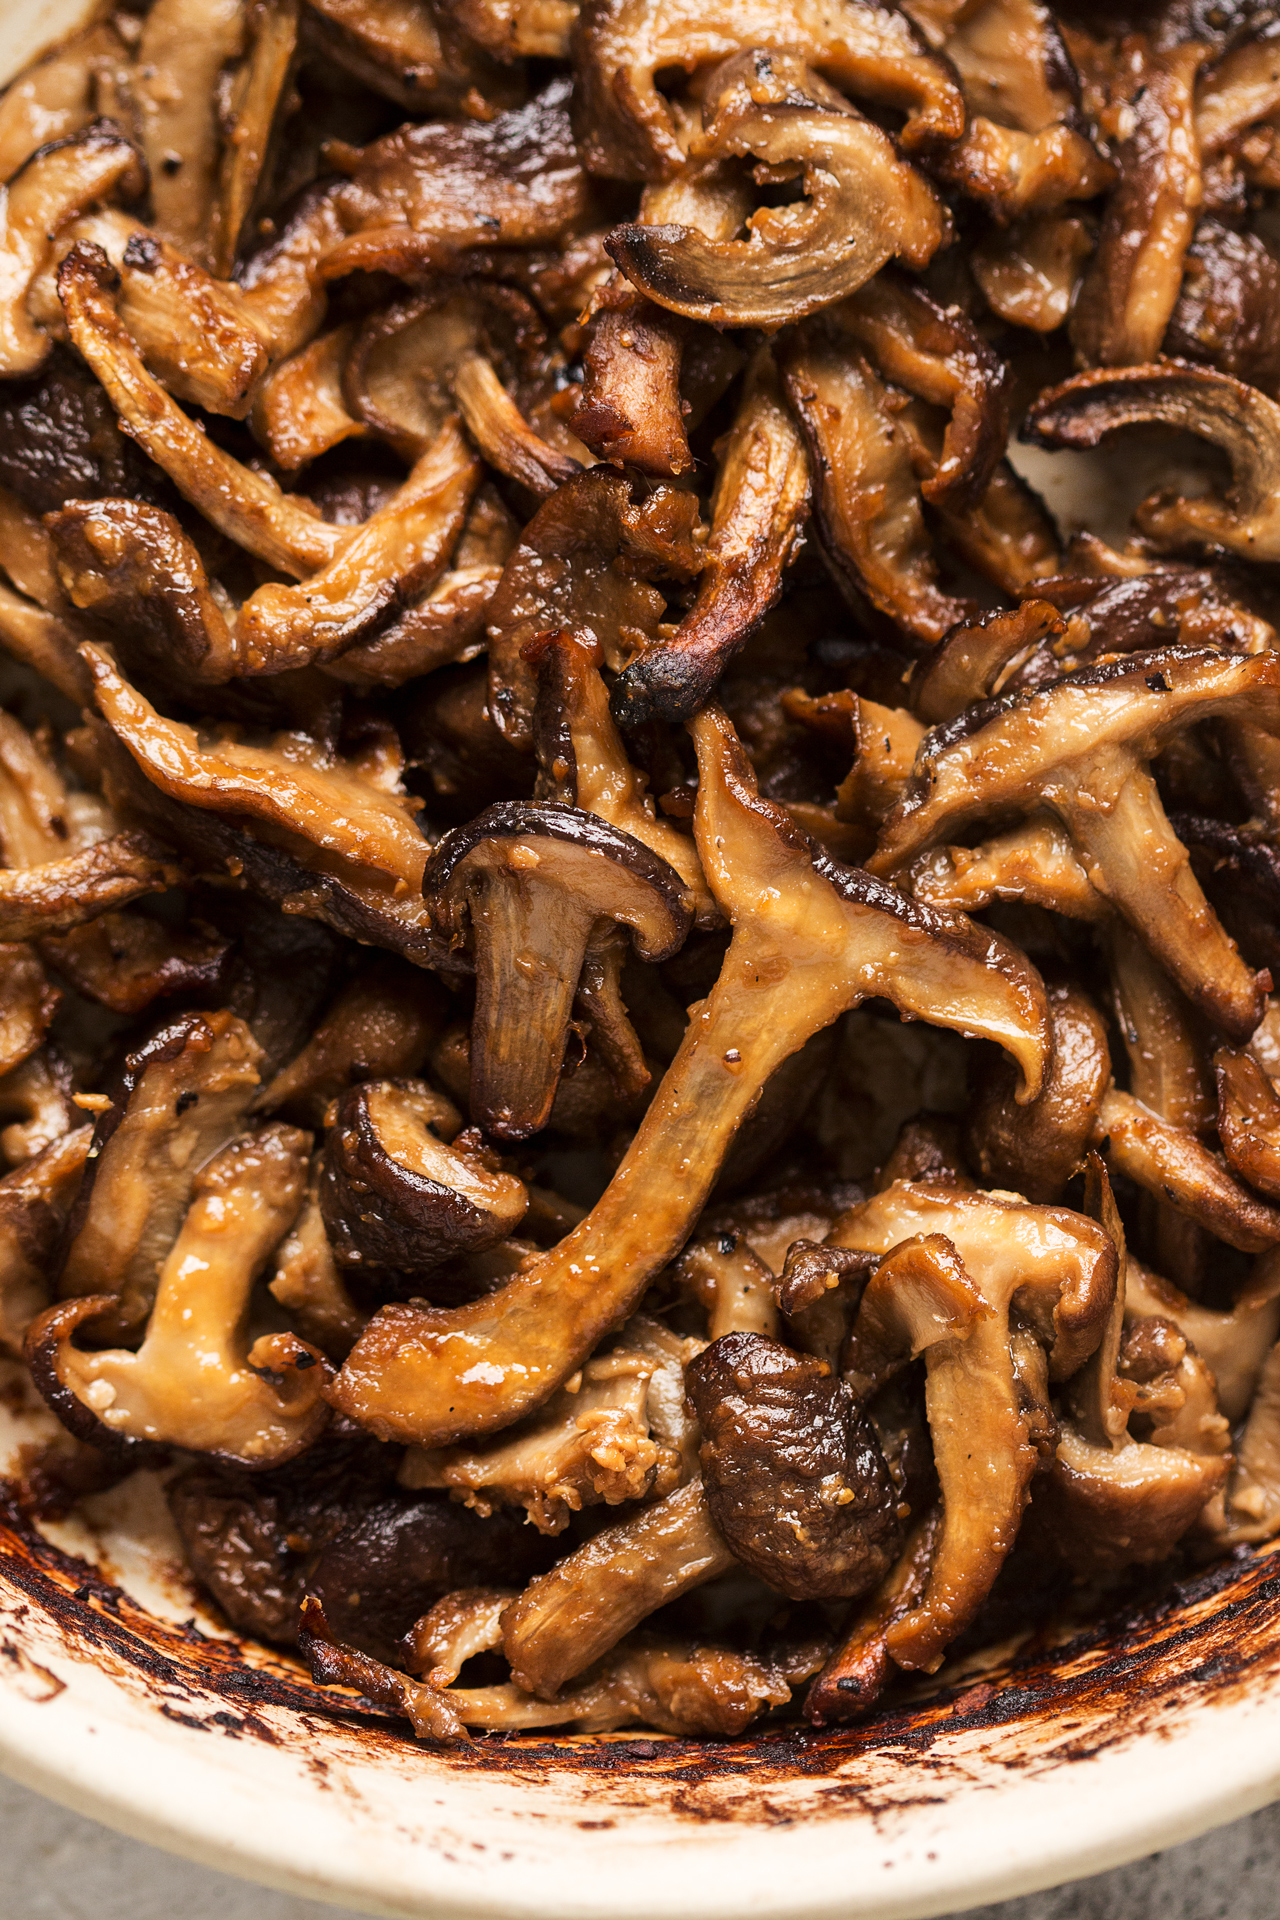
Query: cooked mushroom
point(758, 513)
point(34, 1201)
point(610, 1435)
point(1249, 1120)
point(28, 1002)
point(309, 1284)
point(1131, 286)
point(198, 1380)
point(1168, 1065)
point(625, 127)
point(1172, 1164)
point(630, 412)
point(55, 97)
point(1226, 313)
point(797, 918)
point(184, 46)
point(1030, 272)
point(408, 53)
point(299, 409)
point(1103, 1509)
point(1244, 423)
point(184, 1094)
point(792, 1470)
point(258, 94)
point(383, 1024)
point(400, 1189)
point(533, 882)
point(855, 1675)
point(1035, 1149)
point(974, 660)
point(862, 205)
point(1091, 772)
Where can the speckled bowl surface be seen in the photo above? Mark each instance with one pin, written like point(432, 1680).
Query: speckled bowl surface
point(123, 1698)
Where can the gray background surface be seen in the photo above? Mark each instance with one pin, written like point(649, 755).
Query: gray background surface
point(57, 1866)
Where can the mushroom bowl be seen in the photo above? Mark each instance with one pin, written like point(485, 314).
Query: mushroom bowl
point(1057, 1740)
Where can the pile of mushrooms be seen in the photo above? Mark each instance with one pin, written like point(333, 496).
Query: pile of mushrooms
point(639, 1044)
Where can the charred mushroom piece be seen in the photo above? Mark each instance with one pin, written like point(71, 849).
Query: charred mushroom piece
point(1244, 423)
point(408, 53)
point(1080, 748)
point(308, 1282)
point(56, 185)
point(630, 409)
point(862, 205)
point(1172, 1164)
point(401, 1190)
point(1035, 1149)
point(810, 940)
point(382, 1025)
point(184, 1095)
point(1249, 1120)
point(1131, 286)
point(533, 882)
point(972, 661)
point(792, 1470)
point(758, 513)
point(258, 96)
point(198, 1381)
point(625, 126)
point(34, 1201)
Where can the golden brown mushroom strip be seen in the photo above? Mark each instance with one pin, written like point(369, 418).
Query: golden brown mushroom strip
point(502, 433)
point(865, 489)
point(246, 506)
point(1079, 747)
point(863, 205)
point(45, 642)
point(194, 333)
point(56, 185)
point(34, 1201)
point(1107, 1508)
point(624, 124)
point(629, 412)
point(54, 98)
point(1133, 281)
point(198, 1381)
point(1238, 90)
point(971, 662)
point(810, 940)
point(185, 45)
point(758, 512)
point(328, 806)
point(1173, 1165)
point(923, 1299)
point(447, 625)
point(859, 1670)
point(567, 1619)
point(404, 50)
point(1035, 863)
point(1015, 173)
point(1029, 272)
point(517, 29)
point(1036, 1149)
point(65, 893)
point(1168, 1065)
point(258, 92)
point(27, 1004)
point(1249, 1120)
point(308, 1284)
point(1239, 419)
point(299, 410)
point(1233, 1344)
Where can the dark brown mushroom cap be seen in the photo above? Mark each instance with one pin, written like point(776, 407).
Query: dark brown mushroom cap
point(792, 1469)
point(1238, 419)
point(1228, 312)
point(864, 205)
point(595, 865)
point(1249, 1120)
point(624, 125)
point(46, 1337)
point(394, 1194)
point(1035, 1149)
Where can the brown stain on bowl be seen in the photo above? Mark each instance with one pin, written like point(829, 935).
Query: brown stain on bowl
point(1210, 1638)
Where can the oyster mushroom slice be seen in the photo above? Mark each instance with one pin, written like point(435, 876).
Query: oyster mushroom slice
point(863, 204)
point(1214, 406)
point(58, 183)
point(758, 514)
point(34, 1201)
point(400, 1190)
point(59, 894)
point(811, 939)
point(1172, 1164)
point(533, 882)
point(184, 1094)
point(248, 507)
point(309, 1285)
point(970, 1259)
point(625, 126)
point(1249, 1120)
point(197, 1381)
point(1106, 1508)
point(630, 409)
point(185, 44)
point(1079, 747)
point(569, 1618)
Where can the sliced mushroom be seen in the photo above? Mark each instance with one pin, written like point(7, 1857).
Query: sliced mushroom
point(862, 205)
point(35, 1104)
point(28, 1002)
point(583, 566)
point(1234, 1344)
point(602, 1439)
point(1252, 1504)
point(810, 940)
point(1249, 1120)
point(758, 513)
point(308, 1282)
point(59, 894)
point(1015, 173)
point(973, 660)
point(630, 412)
point(184, 46)
point(734, 1286)
point(198, 1381)
point(1030, 272)
point(382, 1025)
point(183, 1096)
point(1036, 1149)
point(259, 91)
point(54, 98)
point(34, 1202)
point(58, 183)
point(1168, 1068)
point(1041, 749)
point(534, 882)
point(517, 29)
point(792, 1470)
point(401, 1190)
point(866, 494)
point(299, 409)
point(407, 53)
point(342, 846)
point(1244, 423)
point(625, 126)
point(1104, 1509)
point(1172, 1164)
point(1131, 286)
point(1227, 309)
point(856, 1674)
point(502, 433)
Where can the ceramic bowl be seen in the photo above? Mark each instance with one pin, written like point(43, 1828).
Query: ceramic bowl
point(121, 1697)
